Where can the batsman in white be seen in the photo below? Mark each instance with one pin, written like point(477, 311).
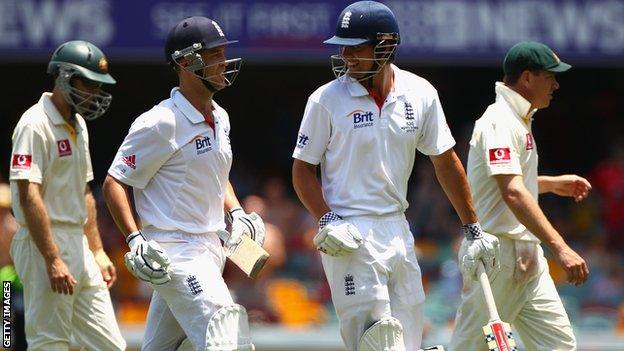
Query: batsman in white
point(57, 251)
point(364, 128)
point(502, 171)
point(177, 158)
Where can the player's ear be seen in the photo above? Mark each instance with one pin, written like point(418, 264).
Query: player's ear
point(526, 78)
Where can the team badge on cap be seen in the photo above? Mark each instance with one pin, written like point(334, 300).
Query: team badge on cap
point(103, 64)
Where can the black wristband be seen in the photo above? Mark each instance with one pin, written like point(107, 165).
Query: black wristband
point(328, 218)
point(133, 235)
point(472, 231)
point(230, 214)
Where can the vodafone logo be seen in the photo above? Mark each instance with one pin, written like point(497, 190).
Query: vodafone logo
point(21, 161)
point(500, 156)
point(529, 141)
point(64, 147)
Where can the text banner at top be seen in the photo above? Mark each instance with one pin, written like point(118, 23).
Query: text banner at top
point(456, 32)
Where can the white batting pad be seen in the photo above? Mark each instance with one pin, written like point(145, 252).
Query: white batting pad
point(384, 335)
point(228, 330)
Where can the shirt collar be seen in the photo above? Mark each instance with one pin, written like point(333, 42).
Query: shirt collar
point(50, 110)
point(188, 110)
point(519, 105)
point(357, 89)
point(55, 116)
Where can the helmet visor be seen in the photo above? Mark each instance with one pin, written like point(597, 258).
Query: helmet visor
point(382, 52)
point(89, 104)
point(209, 65)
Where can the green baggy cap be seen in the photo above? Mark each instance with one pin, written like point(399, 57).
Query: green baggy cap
point(532, 55)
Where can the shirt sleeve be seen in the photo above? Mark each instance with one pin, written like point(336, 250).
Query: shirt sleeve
point(28, 155)
point(140, 156)
point(314, 133)
point(499, 150)
point(435, 136)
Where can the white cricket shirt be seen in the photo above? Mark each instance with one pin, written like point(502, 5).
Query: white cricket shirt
point(502, 143)
point(178, 165)
point(367, 153)
point(48, 151)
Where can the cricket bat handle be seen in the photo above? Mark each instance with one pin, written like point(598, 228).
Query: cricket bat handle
point(487, 292)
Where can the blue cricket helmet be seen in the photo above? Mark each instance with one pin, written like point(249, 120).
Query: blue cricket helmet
point(362, 22)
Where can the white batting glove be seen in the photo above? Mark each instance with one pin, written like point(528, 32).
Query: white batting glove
point(244, 224)
point(146, 259)
point(478, 246)
point(336, 237)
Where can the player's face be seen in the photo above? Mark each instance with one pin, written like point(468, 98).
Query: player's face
point(359, 59)
point(542, 85)
point(87, 86)
point(214, 66)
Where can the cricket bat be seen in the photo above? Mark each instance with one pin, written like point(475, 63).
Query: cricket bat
point(247, 255)
point(498, 336)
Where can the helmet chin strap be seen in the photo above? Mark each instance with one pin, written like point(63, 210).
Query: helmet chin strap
point(209, 86)
point(200, 73)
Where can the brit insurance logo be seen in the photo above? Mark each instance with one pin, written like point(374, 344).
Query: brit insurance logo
point(202, 144)
point(361, 118)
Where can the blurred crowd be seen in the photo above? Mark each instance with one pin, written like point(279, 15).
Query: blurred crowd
point(292, 291)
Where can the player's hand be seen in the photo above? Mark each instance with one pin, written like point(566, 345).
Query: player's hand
point(245, 224)
point(337, 238)
point(478, 246)
point(574, 266)
point(571, 185)
point(147, 260)
point(109, 273)
point(61, 279)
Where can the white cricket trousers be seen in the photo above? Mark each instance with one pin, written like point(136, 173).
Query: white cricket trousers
point(532, 307)
point(182, 307)
point(380, 279)
point(52, 318)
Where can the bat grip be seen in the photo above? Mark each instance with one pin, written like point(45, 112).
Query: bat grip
point(487, 292)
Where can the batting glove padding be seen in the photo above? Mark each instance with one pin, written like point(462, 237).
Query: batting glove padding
point(147, 260)
point(248, 224)
point(338, 238)
point(478, 246)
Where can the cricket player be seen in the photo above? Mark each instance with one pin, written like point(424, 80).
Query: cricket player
point(177, 158)
point(502, 171)
point(58, 252)
point(364, 128)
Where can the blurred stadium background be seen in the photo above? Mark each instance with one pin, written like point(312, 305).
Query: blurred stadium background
point(458, 45)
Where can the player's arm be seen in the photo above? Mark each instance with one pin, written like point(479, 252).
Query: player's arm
point(336, 237)
point(527, 211)
point(117, 197)
point(478, 246)
point(38, 222)
point(452, 177)
point(107, 268)
point(565, 185)
point(308, 188)
point(146, 259)
point(230, 201)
